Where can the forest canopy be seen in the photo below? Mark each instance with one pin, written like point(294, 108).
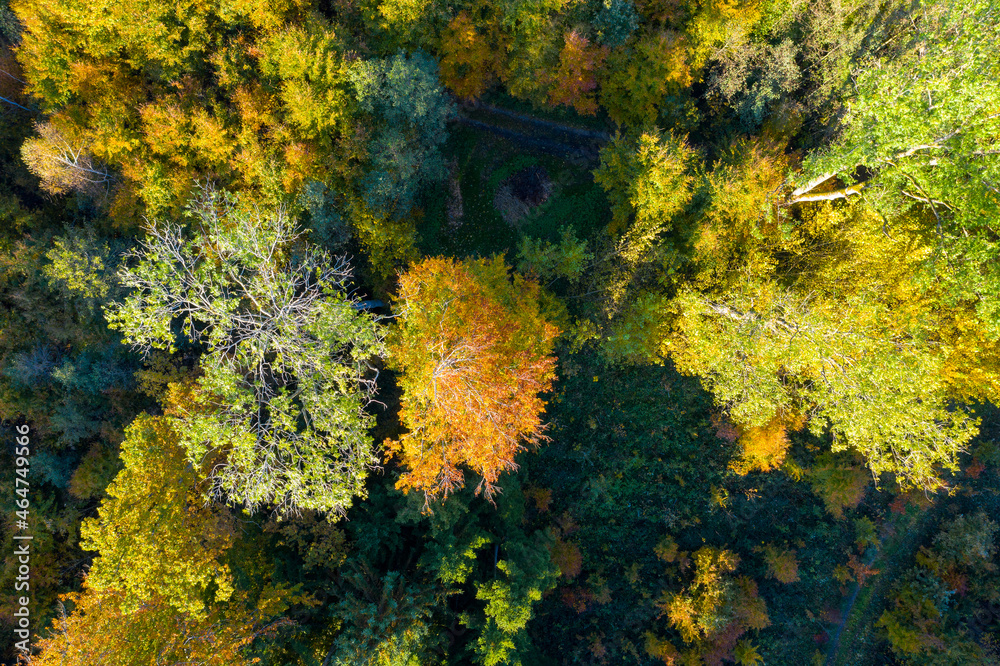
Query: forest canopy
point(406, 333)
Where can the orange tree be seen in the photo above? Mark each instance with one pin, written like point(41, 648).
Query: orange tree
point(474, 352)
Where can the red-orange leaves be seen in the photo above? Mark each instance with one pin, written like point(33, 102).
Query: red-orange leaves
point(574, 83)
point(473, 352)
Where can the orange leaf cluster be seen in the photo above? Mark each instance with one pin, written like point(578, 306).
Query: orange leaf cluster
point(764, 448)
point(575, 80)
point(474, 353)
point(567, 556)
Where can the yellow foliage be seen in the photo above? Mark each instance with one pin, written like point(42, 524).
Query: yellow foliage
point(467, 61)
point(402, 19)
point(98, 632)
point(667, 549)
point(640, 76)
point(94, 472)
point(764, 448)
point(661, 649)
point(715, 21)
point(390, 243)
point(841, 484)
point(169, 544)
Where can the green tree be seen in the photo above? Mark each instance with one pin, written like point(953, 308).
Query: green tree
point(648, 179)
point(411, 111)
point(388, 622)
point(924, 623)
point(919, 132)
point(286, 372)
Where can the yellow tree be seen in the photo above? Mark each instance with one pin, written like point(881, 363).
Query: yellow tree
point(712, 612)
point(648, 181)
point(822, 316)
point(156, 535)
point(97, 631)
point(639, 76)
point(92, 628)
point(467, 61)
point(473, 352)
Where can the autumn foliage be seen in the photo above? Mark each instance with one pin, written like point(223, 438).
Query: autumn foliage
point(781, 564)
point(764, 448)
point(575, 80)
point(714, 610)
point(473, 352)
point(97, 631)
point(466, 58)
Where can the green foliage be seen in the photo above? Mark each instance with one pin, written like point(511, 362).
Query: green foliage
point(272, 315)
point(615, 22)
point(648, 180)
point(753, 78)
point(10, 29)
point(387, 623)
point(924, 621)
point(324, 218)
point(568, 259)
point(509, 603)
point(404, 95)
point(921, 125)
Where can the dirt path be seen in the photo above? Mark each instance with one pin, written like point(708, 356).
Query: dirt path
point(895, 553)
point(533, 133)
point(547, 124)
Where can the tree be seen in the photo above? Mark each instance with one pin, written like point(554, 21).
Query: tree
point(388, 622)
point(927, 621)
point(823, 316)
point(767, 353)
point(62, 166)
point(154, 99)
point(713, 21)
point(615, 22)
point(473, 352)
point(641, 74)
point(98, 631)
point(575, 80)
point(919, 133)
point(156, 535)
point(509, 602)
point(411, 110)
point(648, 181)
point(713, 611)
point(260, 99)
point(549, 261)
point(286, 372)
point(467, 62)
point(529, 33)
